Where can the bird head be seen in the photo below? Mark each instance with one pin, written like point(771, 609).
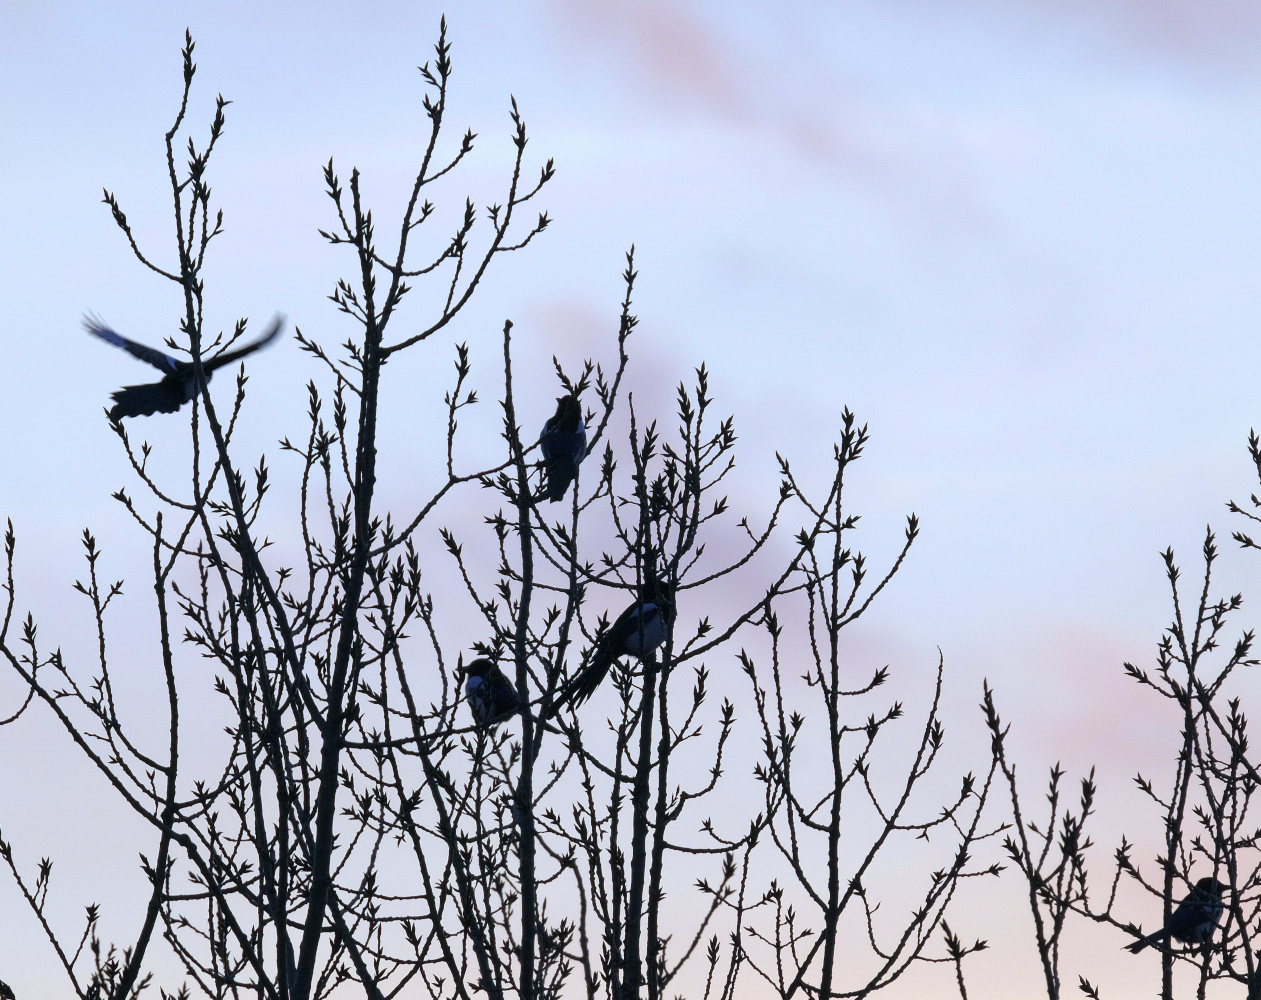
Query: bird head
point(1212, 886)
point(658, 592)
point(478, 668)
point(568, 413)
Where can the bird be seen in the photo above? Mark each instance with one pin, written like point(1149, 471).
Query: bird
point(178, 385)
point(638, 630)
point(564, 444)
point(5, 992)
point(490, 695)
point(1194, 919)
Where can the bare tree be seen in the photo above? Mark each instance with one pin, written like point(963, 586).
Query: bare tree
point(356, 830)
point(809, 805)
point(1203, 809)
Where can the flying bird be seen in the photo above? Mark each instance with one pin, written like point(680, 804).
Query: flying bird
point(178, 385)
point(639, 630)
point(1194, 919)
point(564, 444)
point(490, 695)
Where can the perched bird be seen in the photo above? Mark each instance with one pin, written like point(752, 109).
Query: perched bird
point(639, 630)
point(490, 695)
point(178, 385)
point(564, 444)
point(1194, 919)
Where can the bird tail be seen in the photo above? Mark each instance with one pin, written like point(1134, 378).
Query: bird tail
point(1143, 942)
point(561, 471)
point(583, 684)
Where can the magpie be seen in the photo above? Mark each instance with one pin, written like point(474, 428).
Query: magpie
point(178, 385)
point(564, 444)
point(639, 630)
point(490, 695)
point(1194, 919)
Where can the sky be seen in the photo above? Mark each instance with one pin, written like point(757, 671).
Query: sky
point(1019, 240)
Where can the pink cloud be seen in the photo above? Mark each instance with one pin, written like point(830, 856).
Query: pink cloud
point(1179, 29)
point(1198, 26)
point(669, 47)
point(677, 53)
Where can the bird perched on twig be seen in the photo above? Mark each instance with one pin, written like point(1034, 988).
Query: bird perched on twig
point(491, 697)
point(1194, 919)
point(564, 444)
point(178, 385)
point(638, 630)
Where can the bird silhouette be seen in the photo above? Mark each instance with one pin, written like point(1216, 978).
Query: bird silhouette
point(178, 385)
point(1194, 919)
point(491, 697)
point(638, 630)
point(564, 444)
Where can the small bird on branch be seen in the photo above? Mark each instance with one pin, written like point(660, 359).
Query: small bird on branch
point(179, 383)
point(564, 445)
point(638, 630)
point(491, 697)
point(1194, 919)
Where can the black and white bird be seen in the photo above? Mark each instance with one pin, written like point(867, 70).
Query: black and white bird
point(1194, 919)
point(491, 697)
point(564, 444)
point(638, 630)
point(178, 385)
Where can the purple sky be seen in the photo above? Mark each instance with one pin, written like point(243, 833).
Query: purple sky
point(1020, 240)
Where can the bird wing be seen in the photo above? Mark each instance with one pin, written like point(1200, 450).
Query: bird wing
point(166, 396)
point(571, 445)
point(159, 360)
point(504, 701)
point(644, 634)
point(562, 451)
point(628, 621)
point(227, 358)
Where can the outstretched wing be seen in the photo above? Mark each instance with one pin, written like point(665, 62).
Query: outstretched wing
point(166, 396)
point(226, 359)
point(163, 362)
